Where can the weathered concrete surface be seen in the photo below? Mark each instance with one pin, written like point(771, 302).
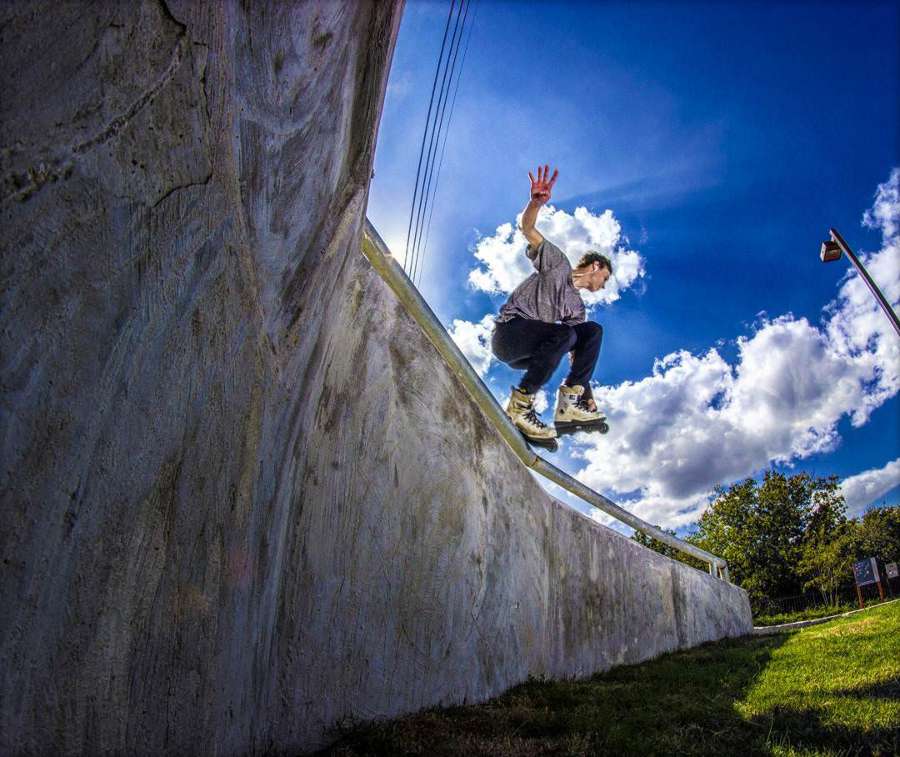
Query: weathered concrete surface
point(242, 498)
point(181, 182)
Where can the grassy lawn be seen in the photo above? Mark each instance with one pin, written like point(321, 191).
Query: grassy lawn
point(812, 613)
point(831, 689)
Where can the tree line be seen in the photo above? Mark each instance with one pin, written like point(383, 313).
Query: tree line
point(788, 535)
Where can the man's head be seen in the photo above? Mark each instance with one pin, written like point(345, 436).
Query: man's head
point(592, 272)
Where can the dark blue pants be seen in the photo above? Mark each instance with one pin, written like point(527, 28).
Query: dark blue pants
point(538, 347)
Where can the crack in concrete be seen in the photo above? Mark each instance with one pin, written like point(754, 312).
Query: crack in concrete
point(167, 12)
point(202, 183)
point(116, 125)
point(35, 178)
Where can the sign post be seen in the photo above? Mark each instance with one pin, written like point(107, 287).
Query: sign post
point(892, 572)
point(866, 572)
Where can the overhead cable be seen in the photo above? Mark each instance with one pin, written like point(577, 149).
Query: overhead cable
point(446, 135)
point(436, 129)
point(427, 122)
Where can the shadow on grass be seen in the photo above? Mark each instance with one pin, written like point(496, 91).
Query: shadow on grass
point(681, 703)
point(806, 729)
point(885, 690)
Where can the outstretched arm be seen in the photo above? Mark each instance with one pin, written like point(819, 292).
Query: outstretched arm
point(540, 195)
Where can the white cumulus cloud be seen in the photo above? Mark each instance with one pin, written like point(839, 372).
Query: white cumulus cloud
point(504, 265)
point(865, 488)
point(474, 340)
point(698, 421)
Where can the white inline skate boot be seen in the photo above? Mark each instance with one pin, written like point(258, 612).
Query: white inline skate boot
point(522, 413)
point(574, 414)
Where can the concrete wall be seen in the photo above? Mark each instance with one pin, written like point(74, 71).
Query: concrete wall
point(241, 496)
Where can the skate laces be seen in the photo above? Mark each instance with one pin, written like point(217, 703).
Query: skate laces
point(582, 404)
point(532, 417)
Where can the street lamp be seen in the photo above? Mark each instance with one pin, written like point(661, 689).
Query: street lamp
point(831, 250)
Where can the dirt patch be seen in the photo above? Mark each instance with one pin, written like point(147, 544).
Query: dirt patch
point(860, 626)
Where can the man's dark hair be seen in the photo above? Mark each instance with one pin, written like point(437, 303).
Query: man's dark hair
point(595, 257)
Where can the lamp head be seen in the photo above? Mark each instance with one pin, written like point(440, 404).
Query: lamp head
point(831, 250)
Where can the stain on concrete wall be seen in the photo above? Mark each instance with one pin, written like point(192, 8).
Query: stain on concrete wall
point(173, 174)
point(242, 497)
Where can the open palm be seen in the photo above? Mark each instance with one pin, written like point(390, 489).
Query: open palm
point(542, 185)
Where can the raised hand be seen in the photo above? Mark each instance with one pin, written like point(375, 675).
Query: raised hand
point(540, 187)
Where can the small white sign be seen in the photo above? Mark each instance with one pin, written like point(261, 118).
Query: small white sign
point(891, 570)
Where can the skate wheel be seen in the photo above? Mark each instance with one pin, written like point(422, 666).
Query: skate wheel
point(603, 428)
point(551, 445)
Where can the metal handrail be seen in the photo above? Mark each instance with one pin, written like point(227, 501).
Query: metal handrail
point(393, 274)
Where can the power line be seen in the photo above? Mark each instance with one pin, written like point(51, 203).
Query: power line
point(435, 134)
point(446, 135)
point(427, 121)
point(442, 111)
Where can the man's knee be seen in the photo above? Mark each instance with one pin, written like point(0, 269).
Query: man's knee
point(591, 331)
point(567, 338)
point(560, 341)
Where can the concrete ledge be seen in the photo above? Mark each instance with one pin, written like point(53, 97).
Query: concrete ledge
point(245, 498)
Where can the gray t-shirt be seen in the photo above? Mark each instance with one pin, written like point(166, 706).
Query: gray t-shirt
point(547, 295)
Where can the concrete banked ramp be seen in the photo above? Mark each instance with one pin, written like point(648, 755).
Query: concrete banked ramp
point(242, 496)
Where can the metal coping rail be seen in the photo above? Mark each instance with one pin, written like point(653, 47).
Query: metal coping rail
point(389, 269)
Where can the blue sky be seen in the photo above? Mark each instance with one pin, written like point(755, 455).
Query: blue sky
point(710, 146)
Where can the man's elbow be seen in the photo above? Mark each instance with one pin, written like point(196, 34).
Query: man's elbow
point(533, 236)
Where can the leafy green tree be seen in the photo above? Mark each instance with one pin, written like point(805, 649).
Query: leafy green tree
point(787, 535)
point(726, 528)
point(758, 528)
point(665, 549)
point(827, 554)
point(877, 534)
point(828, 565)
point(828, 510)
point(785, 507)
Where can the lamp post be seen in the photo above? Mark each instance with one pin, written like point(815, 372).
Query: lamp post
point(831, 250)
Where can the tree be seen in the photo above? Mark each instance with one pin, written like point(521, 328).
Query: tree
point(826, 559)
point(785, 506)
point(665, 549)
point(877, 534)
point(759, 529)
point(829, 564)
point(787, 535)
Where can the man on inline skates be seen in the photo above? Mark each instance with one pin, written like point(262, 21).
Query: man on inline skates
point(543, 319)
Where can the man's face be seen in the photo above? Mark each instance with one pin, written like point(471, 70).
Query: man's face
point(597, 278)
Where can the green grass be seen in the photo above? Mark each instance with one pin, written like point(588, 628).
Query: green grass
point(831, 689)
point(811, 613)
